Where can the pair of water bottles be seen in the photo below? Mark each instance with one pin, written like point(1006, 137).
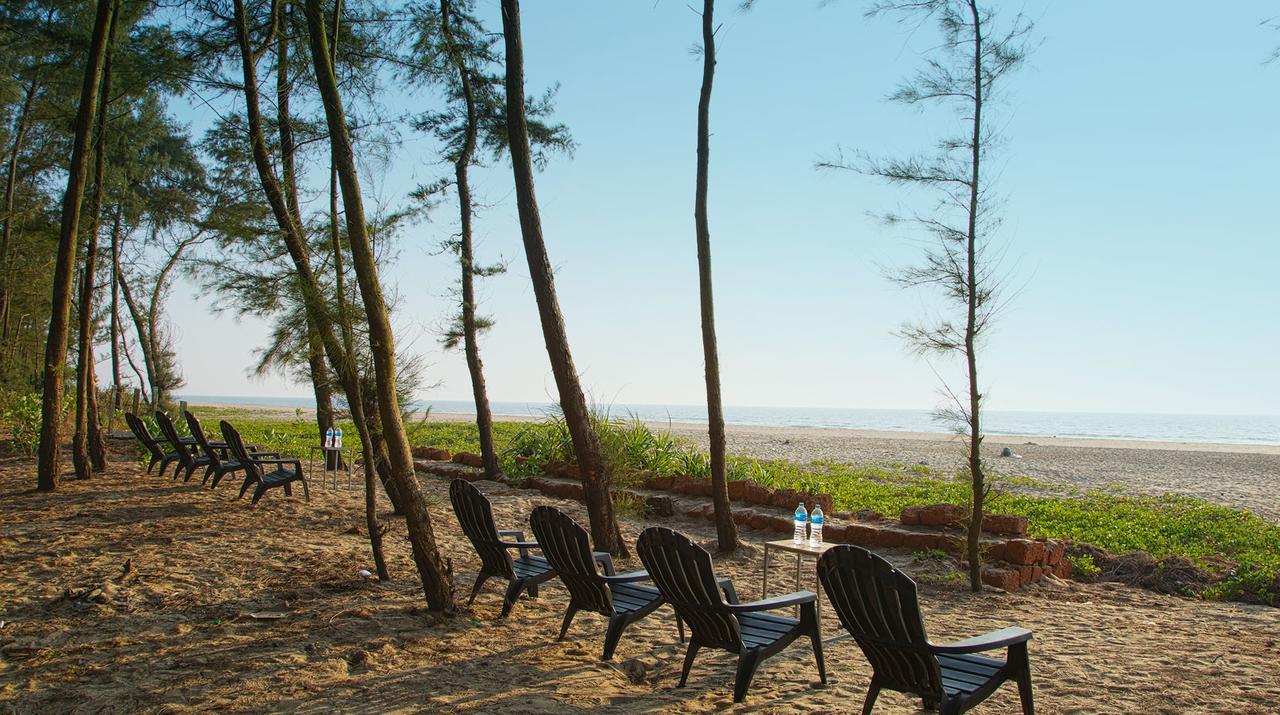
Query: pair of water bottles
point(333, 438)
point(814, 522)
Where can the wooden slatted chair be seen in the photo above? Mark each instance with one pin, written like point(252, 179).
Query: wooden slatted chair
point(149, 443)
point(686, 578)
point(619, 597)
point(221, 463)
point(255, 473)
point(189, 456)
point(877, 604)
point(475, 516)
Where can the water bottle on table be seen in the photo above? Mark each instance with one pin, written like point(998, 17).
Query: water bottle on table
point(802, 518)
point(337, 438)
point(815, 526)
point(328, 437)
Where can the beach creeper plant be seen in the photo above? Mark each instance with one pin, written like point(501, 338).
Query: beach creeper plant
point(963, 71)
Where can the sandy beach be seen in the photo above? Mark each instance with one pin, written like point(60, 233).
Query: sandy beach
point(233, 608)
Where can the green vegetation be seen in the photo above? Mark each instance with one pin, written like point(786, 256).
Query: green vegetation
point(1168, 525)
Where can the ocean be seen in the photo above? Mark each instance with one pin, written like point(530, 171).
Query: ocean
point(1221, 429)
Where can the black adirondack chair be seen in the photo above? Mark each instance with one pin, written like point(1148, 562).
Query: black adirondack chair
point(149, 443)
point(686, 578)
point(189, 456)
point(877, 604)
point(267, 473)
point(619, 597)
point(475, 516)
point(221, 463)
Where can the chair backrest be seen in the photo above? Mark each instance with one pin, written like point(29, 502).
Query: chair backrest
point(170, 432)
point(236, 446)
point(197, 431)
point(567, 548)
point(475, 516)
point(685, 576)
point(139, 429)
point(877, 604)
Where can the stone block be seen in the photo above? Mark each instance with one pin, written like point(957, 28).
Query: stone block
point(1054, 552)
point(470, 459)
point(1006, 524)
point(659, 483)
point(659, 506)
point(1002, 578)
point(1024, 551)
point(738, 489)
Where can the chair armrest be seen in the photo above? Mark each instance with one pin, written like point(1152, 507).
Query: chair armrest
point(629, 577)
point(769, 604)
point(296, 462)
point(730, 593)
point(255, 455)
point(605, 560)
point(513, 533)
point(519, 544)
point(987, 641)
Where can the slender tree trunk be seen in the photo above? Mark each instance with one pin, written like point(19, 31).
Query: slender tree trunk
point(144, 339)
point(586, 443)
point(484, 417)
point(55, 353)
point(86, 395)
point(115, 306)
point(726, 530)
point(10, 186)
point(971, 324)
point(437, 574)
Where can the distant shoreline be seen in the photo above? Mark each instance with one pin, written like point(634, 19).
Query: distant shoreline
point(995, 440)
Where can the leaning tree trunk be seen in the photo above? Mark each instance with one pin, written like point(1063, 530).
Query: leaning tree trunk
point(586, 443)
point(86, 394)
point(437, 574)
point(461, 166)
point(115, 308)
point(971, 323)
point(726, 530)
point(55, 352)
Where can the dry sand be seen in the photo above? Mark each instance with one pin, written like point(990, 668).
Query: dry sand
point(180, 638)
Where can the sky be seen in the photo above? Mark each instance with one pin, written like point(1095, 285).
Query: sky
point(1137, 177)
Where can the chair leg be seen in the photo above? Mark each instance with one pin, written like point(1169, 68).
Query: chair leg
point(815, 637)
point(245, 487)
point(873, 692)
point(257, 493)
point(688, 660)
point(680, 627)
point(612, 636)
point(288, 490)
point(191, 470)
point(513, 593)
point(208, 472)
point(152, 463)
point(1018, 655)
point(747, 664)
point(533, 590)
point(306, 491)
point(568, 618)
point(475, 590)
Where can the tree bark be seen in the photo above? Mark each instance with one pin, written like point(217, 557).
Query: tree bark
point(86, 395)
point(10, 186)
point(726, 530)
point(144, 339)
point(461, 166)
point(971, 324)
point(586, 443)
point(55, 353)
point(437, 574)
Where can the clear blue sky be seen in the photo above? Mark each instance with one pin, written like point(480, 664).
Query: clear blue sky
point(1139, 176)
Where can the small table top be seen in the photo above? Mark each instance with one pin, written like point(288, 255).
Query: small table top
point(803, 549)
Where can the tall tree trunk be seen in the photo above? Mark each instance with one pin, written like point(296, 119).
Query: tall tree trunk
point(55, 352)
point(144, 338)
point(484, 417)
point(115, 306)
point(971, 324)
point(726, 530)
point(10, 186)
point(86, 395)
point(586, 443)
point(437, 574)
point(314, 300)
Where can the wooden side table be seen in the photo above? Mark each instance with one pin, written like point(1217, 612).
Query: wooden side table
point(325, 452)
point(801, 551)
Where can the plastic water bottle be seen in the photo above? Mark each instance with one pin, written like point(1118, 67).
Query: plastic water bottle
point(337, 438)
point(815, 526)
point(802, 518)
point(328, 437)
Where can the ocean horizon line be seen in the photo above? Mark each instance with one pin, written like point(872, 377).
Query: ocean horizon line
point(1144, 427)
